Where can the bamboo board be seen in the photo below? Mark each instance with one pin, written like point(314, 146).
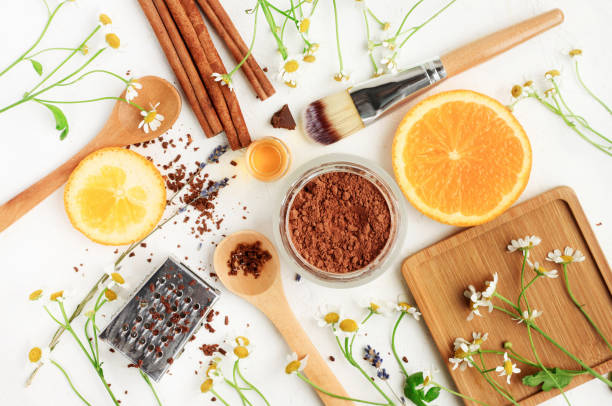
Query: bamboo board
point(438, 275)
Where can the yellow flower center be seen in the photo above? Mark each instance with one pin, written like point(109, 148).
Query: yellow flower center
point(292, 367)
point(426, 380)
point(575, 52)
point(374, 307)
point(478, 341)
point(105, 20)
point(291, 83)
point(310, 58)
point(211, 367)
point(56, 295)
point(150, 116)
point(304, 25)
point(313, 47)
point(84, 49)
point(459, 353)
point(405, 306)
point(241, 340)
point(331, 318)
point(206, 385)
point(110, 295)
point(36, 294)
point(386, 26)
point(241, 352)
point(552, 73)
point(508, 367)
point(567, 258)
point(348, 326)
point(117, 278)
point(516, 91)
point(528, 83)
point(291, 66)
point(35, 354)
point(113, 40)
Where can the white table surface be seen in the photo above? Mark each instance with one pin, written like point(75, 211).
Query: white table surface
point(42, 248)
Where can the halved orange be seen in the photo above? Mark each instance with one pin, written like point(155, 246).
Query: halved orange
point(461, 157)
point(115, 196)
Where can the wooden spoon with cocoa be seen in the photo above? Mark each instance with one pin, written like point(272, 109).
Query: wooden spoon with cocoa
point(121, 129)
point(267, 294)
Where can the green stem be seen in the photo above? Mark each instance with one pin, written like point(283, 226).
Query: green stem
point(581, 307)
point(29, 57)
point(368, 34)
point(46, 27)
point(506, 300)
point(399, 29)
point(354, 363)
point(150, 384)
point(339, 51)
point(249, 384)
point(243, 398)
point(584, 86)
point(378, 20)
point(219, 397)
point(512, 354)
point(90, 101)
point(126, 81)
point(70, 382)
point(494, 384)
point(273, 27)
point(246, 56)
point(393, 349)
point(333, 395)
point(452, 392)
point(522, 291)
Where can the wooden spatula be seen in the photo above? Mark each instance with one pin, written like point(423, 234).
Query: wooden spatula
point(267, 294)
point(120, 130)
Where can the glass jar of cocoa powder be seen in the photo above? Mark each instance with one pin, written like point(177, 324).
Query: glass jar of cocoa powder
point(340, 220)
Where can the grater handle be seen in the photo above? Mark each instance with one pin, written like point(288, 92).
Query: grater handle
point(275, 306)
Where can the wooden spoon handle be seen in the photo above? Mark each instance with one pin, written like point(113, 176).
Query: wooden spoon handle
point(487, 47)
point(274, 305)
point(19, 205)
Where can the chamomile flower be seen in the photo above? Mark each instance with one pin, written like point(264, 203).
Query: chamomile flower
point(39, 355)
point(476, 301)
point(224, 79)
point(462, 356)
point(58, 296)
point(552, 74)
point(35, 295)
point(374, 305)
point(390, 64)
point(241, 347)
point(575, 52)
point(402, 305)
point(342, 76)
point(132, 88)
point(524, 244)
point(540, 270)
point(289, 70)
point(328, 315)
point(304, 25)
point(529, 316)
point(428, 378)
point(491, 287)
point(568, 256)
point(213, 377)
point(347, 328)
point(507, 369)
point(477, 340)
point(295, 364)
point(151, 120)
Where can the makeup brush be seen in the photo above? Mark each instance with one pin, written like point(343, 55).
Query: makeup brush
point(339, 115)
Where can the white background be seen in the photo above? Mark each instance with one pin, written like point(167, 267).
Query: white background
point(41, 249)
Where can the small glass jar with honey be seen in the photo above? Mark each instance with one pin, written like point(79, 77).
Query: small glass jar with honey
point(268, 159)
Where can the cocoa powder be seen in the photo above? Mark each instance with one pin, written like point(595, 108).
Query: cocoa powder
point(339, 222)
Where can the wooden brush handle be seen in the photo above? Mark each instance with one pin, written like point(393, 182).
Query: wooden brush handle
point(487, 47)
point(275, 306)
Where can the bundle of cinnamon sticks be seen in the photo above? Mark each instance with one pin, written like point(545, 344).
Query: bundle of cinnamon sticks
point(188, 46)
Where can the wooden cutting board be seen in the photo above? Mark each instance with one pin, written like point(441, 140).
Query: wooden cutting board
point(438, 275)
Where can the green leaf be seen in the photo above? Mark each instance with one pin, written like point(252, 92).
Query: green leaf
point(415, 379)
point(37, 66)
point(432, 394)
point(61, 122)
point(562, 378)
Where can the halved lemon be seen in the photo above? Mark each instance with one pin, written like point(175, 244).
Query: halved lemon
point(461, 157)
point(115, 196)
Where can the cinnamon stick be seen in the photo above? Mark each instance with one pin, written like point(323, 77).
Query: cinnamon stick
point(201, 61)
point(216, 63)
point(175, 63)
point(223, 25)
point(190, 69)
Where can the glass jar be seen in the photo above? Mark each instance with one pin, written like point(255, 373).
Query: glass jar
point(358, 166)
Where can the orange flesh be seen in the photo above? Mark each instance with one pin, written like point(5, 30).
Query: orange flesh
point(463, 157)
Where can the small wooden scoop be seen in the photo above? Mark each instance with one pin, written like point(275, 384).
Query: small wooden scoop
point(266, 293)
point(120, 130)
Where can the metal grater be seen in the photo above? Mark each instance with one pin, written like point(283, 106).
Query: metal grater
point(154, 326)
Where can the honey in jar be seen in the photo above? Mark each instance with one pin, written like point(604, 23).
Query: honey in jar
point(268, 159)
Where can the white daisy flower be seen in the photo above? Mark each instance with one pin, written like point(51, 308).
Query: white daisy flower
point(241, 346)
point(568, 256)
point(428, 378)
point(462, 356)
point(347, 328)
point(574, 53)
point(491, 287)
point(375, 305)
point(476, 301)
point(151, 119)
point(213, 376)
point(402, 305)
point(529, 316)
point(342, 76)
point(390, 64)
point(459, 342)
point(224, 80)
point(328, 315)
point(477, 340)
point(507, 369)
point(553, 273)
point(131, 90)
point(524, 244)
point(289, 70)
point(295, 364)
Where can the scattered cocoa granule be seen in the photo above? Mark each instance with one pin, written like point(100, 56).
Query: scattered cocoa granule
point(233, 163)
point(75, 269)
point(111, 349)
point(248, 258)
point(331, 358)
point(405, 359)
point(283, 119)
point(132, 254)
point(213, 399)
point(116, 251)
point(226, 321)
point(209, 349)
point(598, 224)
point(265, 69)
point(148, 259)
point(170, 360)
point(339, 222)
point(143, 244)
point(210, 328)
point(126, 392)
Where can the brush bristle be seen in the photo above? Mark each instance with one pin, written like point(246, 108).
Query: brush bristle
point(331, 118)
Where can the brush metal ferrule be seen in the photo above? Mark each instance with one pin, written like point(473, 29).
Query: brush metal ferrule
point(373, 97)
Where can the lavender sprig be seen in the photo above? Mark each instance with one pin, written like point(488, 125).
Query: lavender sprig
point(213, 188)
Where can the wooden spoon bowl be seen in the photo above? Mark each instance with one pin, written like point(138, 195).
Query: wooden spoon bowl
point(267, 294)
point(121, 129)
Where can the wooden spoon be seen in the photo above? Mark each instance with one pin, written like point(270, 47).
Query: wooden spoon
point(120, 130)
point(266, 293)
